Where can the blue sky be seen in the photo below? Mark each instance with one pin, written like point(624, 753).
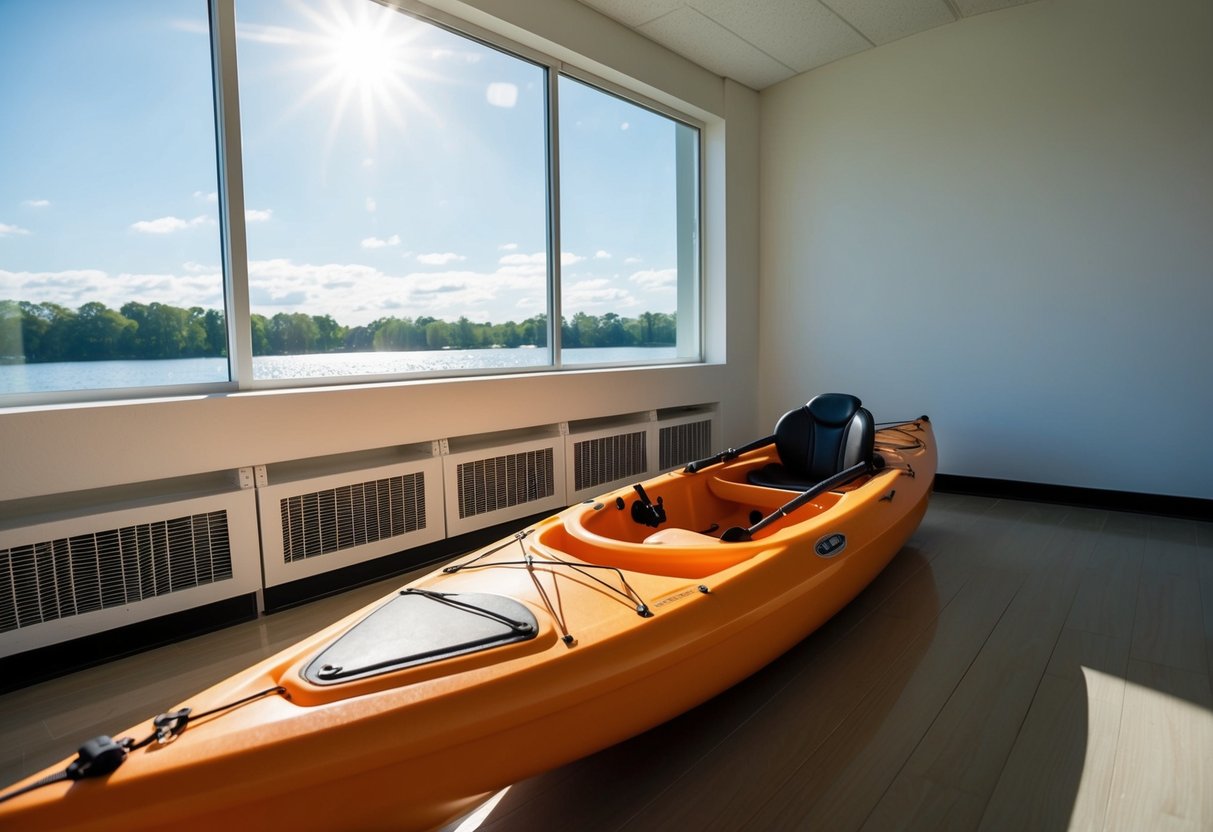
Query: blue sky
point(390, 167)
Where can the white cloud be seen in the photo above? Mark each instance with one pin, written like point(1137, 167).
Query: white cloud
point(213, 196)
point(256, 215)
point(74, 287)
point(632, 261)
point(371, 205)
point(7, 230)
point(375, 242)
point(655, 279)
point(37, 203)
point(602, 255)
point(537, 259)
point(167, 225)
point(446, 294)
point(535, 263)
point(598, 295)
point(199, 268)
point(508, 247)
point(624, 126)
point(501, 94)
point(164, 225)
point(440, 259)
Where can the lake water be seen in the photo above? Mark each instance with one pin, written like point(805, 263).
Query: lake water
point(97, 375)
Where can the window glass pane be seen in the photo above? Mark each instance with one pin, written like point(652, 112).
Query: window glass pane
point(395, 190)
point(629, 226)
point(110, 271)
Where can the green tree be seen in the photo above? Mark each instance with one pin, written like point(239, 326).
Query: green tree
point(12, 342)
point(437, 335)
point(100, 333)
point(360, 339)
point(50, 331)
point(40, 332)
point(330, 334)
point(612, 332)
point(260, 334)
point(163, 330)
point(462, 335)
point(293, 334)
point(216, 332)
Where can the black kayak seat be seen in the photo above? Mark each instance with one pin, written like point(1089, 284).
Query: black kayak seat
point(829, 434)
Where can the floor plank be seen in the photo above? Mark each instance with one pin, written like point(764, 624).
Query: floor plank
point(967, 744)
point(1164, 756)
point(1059, 772)
point(1167, 626)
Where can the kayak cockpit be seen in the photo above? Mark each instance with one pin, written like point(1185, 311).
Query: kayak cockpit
point(697, 509)
point(771, 492)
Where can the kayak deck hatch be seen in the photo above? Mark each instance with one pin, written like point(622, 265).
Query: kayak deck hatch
point(417, 627)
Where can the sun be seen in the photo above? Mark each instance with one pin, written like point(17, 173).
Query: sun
point(361, 52)
point(365, 55)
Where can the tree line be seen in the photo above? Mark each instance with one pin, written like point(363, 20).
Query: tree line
point(45, 332)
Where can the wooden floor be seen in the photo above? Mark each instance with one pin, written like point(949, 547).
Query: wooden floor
point(1018, 666)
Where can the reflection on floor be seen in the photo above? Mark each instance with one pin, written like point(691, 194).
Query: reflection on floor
point(1017, 666)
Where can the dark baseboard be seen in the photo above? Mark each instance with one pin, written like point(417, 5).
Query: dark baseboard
point(1192, 508)
point(43, 663)
point(285, 596)
point(33, 666)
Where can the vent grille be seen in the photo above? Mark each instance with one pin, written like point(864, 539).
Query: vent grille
point(609, 458)
point(351, 515)
point(503, 481)
point(680, 444)
point(41, 582)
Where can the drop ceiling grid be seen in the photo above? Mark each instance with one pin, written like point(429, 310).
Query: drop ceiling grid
point(763, 42)
point(798, 34)
point(704, 41)
point(884, 21)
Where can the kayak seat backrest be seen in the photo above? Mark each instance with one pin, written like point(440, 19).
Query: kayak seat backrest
point(830, 433)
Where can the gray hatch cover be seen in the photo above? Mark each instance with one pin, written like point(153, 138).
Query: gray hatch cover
point(420, 626)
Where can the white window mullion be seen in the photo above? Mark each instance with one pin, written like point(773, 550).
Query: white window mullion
point(687, 167)
point(554, 265)
point(231, 192)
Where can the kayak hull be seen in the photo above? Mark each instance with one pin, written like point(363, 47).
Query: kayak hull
point(635, 626)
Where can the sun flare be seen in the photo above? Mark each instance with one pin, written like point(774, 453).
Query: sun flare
point(366, 56)
point(362, 53)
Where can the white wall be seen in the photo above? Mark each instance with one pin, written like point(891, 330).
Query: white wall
point(70, 448)
point(1006, 223)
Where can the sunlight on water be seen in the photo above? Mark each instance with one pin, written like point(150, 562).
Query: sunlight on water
point(385, 363)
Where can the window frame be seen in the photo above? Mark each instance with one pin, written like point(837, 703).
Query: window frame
point(233, 253)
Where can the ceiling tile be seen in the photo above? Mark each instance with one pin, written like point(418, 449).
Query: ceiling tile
point(802, 34)
point(634, 12)
point(882, 21)
point(710, 45)
point(968, 8)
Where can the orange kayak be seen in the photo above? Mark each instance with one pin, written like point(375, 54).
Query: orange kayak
point(586, 628)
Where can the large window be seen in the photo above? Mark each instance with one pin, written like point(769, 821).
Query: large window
point(629, 223)
point(109, 240)
point(399, 186)
point(397, 176)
